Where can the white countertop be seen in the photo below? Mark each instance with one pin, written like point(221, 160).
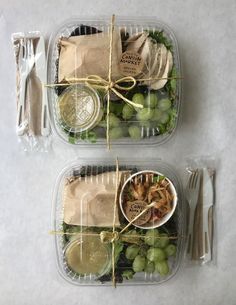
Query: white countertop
point(206, 32)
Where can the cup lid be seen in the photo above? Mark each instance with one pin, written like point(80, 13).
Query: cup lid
point(78, 108)
point(88, 255)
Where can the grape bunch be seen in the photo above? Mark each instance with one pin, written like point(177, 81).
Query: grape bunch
point(129, 121)
point(154, 257)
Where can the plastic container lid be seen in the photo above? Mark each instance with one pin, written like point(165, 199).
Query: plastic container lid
point(158, 121)
point(84, 204)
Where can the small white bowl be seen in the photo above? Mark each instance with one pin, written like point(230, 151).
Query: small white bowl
point(157, 223)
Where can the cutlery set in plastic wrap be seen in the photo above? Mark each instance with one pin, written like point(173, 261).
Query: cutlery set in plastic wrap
point(108, 83)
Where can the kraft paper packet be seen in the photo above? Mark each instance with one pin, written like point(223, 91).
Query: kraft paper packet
point(85, 55)
point(89, 201)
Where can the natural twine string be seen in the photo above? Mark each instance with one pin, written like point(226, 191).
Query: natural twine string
point(115, 234)
point(110, 85)
point(107, 236)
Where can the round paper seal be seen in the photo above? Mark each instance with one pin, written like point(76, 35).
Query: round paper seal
point(134, 208)
point(131, 63)
point(79, 108)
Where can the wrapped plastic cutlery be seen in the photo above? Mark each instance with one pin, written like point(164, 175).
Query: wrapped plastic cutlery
point(201, 210)
point(32, 126)
point(26, 64)
point(208, 200)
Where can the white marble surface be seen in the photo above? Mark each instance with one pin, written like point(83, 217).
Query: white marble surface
point(206, 32)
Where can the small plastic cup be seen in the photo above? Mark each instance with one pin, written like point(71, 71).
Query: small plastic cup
point(79, 108)
point(87, 255)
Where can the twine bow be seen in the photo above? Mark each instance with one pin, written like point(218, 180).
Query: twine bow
point(100, 83)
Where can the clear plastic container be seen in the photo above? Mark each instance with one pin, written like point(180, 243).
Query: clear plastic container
point(73, 200)
point(158, 122)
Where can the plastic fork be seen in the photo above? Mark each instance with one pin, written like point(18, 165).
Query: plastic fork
point(26, 63)
point(192, 194)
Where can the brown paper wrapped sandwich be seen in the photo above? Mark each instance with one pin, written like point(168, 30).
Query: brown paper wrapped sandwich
point(89, 201)
point(85, 55)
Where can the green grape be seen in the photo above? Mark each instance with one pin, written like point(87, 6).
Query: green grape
point(150, 267)
point(146, 124)
point(131, 237)
point(131, 252)
point(162, 267)
point(157, 114)
point(103, 124)
point(164, 118)
point(151, 237)
point(164, 104)
point(155, 255)
point(116, 133)
point(114, 120)
point(170, 250)
point(163, 241)
point(138, 98)
point(144, 114)
point(125, 130)
point(135, 132)
point(127, 112)
point(127, 274)
point(116, 108)
point(151, 100)
point(139, 263)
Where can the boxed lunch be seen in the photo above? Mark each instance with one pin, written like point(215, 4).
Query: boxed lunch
point(122, 224)
point(113, 81)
